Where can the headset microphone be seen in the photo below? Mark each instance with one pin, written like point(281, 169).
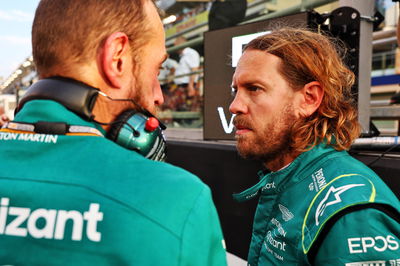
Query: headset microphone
point(135, 129)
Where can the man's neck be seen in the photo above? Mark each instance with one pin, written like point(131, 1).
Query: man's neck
point(281, 161)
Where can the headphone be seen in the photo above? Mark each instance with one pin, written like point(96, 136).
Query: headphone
point(136, 130)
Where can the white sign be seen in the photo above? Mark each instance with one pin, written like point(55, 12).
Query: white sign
point(238, 43)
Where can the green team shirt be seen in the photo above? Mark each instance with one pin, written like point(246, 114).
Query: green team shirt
point(325, 208)
point(84, 200)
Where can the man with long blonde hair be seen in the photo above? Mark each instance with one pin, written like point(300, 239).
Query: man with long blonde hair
point(80, 184)
point(295, 114)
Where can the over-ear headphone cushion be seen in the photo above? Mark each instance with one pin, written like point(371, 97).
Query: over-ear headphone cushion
point(113, 132)
point(129, 131)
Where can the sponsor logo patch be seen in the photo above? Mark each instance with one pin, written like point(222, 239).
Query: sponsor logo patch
point(286, 214)
point(268, 186)
point(332, 197)
point(43, 138)
point(395, 262)
point(21, 222)
point(276, 255)
point(278, 225)
point(281, 245)
point(318, 181)
point(367, 244)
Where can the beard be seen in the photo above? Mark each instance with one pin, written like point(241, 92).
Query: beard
point(269, 142)
point(121, 105)
point(138, 94)
point(135, 93)
point(143, 103)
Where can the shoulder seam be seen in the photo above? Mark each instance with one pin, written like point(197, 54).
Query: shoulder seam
point(186, 220)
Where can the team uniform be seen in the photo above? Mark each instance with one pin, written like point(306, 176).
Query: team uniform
point(81, 199)
point(325, 208)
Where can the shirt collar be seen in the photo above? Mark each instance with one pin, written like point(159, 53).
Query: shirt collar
point(275, 182)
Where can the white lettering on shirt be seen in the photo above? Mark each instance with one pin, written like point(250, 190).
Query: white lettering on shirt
point(43, 138)
point(378, 243)
point(13, 218)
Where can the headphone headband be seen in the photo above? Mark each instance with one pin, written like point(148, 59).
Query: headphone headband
point(76, 96)
point(130, 130)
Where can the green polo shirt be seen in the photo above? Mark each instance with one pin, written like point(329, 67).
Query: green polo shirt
point(84, 200)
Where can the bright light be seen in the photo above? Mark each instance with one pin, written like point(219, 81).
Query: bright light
point(18, 72)
point(26, 63)
point(169, 19)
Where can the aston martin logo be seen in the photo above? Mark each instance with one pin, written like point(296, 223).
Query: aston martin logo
point(286, 214)
point(336, 199)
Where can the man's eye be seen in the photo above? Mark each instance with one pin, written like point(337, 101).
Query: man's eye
point(233, 92)
point(253, 88)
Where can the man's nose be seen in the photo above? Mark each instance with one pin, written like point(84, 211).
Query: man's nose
point(158, 96)
point(238, 106)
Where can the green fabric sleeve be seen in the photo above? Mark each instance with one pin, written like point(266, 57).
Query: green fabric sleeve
point(364, 237)
point(202, 241)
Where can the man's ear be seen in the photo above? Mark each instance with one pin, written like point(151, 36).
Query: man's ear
point(115, 58)
point(311, 98)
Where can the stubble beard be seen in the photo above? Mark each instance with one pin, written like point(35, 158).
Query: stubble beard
point(140, 98)
point(272, 142)
point(123, 106)
point(137, 94)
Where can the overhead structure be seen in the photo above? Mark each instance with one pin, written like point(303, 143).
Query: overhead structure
point(367, 15)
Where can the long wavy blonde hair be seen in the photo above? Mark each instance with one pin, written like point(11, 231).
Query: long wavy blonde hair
point(308, 56)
